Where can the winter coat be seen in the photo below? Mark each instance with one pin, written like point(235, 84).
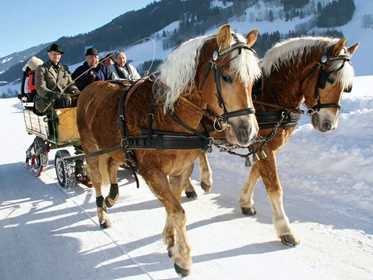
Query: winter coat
point(95, 74)
point(128, 72)
point(48, 81)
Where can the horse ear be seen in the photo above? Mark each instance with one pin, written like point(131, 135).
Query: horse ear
point(338, 47)
point(224, 37)
point(251, 37)
point(353, 48)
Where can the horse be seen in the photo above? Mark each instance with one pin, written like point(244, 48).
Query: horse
point(313, 70)
point(157, 123)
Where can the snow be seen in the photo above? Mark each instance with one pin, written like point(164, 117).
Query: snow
point(47, 231)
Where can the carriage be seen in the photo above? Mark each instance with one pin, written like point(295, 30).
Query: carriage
point(56, 129)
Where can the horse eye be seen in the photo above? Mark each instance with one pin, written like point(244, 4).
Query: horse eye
point(227, 78)
point(331, 80)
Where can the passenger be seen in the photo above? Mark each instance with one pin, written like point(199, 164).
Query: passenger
point(121, 70)
point(53, 81)
point(108, 60)
point(28, 89)
point(90, 71)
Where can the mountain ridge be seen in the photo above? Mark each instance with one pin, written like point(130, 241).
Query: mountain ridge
point(256, 14)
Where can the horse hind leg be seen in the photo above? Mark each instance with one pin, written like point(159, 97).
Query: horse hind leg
point(96, 177)
point(205, 177)
point(190, 191)
point(113, 195)
point(205, 172)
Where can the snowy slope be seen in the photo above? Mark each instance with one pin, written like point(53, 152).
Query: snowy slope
point(47, 232)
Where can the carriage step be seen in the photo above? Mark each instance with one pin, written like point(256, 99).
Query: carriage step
point(34, 169)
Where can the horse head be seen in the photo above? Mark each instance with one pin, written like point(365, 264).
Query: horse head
point(334, 76)
point(228, 69)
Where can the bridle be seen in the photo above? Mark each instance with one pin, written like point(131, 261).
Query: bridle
point(323, 77)
point(212, 64)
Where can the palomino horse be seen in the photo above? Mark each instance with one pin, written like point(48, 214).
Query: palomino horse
point(168, 107)
point(315, 70)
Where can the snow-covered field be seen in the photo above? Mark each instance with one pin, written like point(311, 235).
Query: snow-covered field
point(47, 232)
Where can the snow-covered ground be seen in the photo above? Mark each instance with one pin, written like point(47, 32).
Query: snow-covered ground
point(47, 232)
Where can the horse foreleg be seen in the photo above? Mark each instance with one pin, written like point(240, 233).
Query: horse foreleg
point(180, 252)
point(246, 200)
point(113, 196)
point(174, 233)
point(268, 171)
point(94, 172)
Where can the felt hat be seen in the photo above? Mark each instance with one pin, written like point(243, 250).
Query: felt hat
point(55, 48)
point(91, 51)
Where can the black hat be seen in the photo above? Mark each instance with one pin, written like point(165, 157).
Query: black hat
point(91, 51)
point(56, 48)
point(111, 56)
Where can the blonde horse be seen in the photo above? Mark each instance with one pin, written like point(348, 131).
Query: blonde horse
point(313, 70)
point(159, 124)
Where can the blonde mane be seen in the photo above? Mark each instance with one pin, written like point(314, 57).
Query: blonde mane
point(290, 52)
point(179, 70)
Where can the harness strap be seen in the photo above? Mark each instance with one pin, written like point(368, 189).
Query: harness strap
point(271, 119)
point(129, 155)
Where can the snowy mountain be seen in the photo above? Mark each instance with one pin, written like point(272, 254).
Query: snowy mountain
point(266, 15)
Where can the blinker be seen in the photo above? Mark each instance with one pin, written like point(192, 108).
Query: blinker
point(215, 56)
point(324, 59)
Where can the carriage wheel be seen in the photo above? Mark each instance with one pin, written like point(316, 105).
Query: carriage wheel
point(41, 152)
point(65, 170)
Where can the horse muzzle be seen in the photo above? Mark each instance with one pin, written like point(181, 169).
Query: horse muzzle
point(323, 122)
point(242, 130)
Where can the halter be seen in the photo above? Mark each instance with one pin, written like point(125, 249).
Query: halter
point(217, 74)
point(322, 79)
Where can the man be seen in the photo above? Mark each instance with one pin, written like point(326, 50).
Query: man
point(121, 70)
point(109, 59)
point(90, 71)
point(53, 82)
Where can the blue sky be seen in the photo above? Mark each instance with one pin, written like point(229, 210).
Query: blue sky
point(27, 23)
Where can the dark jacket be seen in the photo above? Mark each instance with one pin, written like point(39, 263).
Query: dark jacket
point(95, 74)
point(49, 81)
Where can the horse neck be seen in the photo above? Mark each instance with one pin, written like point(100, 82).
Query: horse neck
point(286, 82)
point(190, 109)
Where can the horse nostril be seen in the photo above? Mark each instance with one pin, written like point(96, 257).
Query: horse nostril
point(327, 126)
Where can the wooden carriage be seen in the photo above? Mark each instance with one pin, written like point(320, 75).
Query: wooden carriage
point(55, 129)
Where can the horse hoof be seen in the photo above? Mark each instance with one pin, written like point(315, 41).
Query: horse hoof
point(205, 187)
point(105, 224)
point(248, 211)
point(169, 252)
point(181, 271)
point(191, 194)
point(289, 240)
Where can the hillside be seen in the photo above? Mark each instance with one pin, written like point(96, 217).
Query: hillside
point(269, 16)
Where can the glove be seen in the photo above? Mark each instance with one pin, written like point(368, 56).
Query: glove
point(54, 95)
point(91, 76)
